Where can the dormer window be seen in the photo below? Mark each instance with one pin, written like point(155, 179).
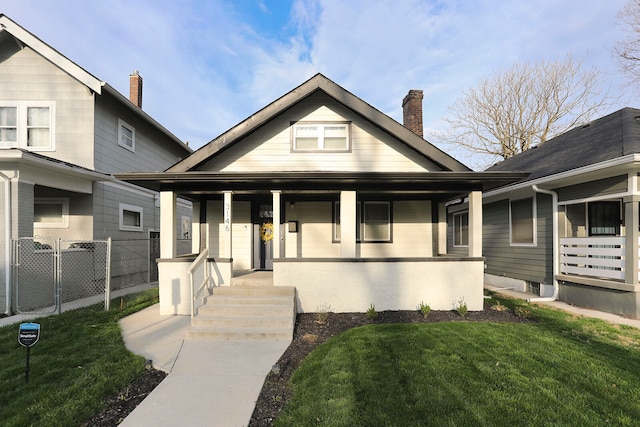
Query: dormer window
point(331, 137)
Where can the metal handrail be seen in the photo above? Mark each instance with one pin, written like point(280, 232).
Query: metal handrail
point(206, 283)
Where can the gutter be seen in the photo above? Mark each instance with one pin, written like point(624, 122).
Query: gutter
point(554, 246)
point(7, 228)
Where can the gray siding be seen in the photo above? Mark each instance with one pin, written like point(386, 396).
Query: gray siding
point(25, 75)
point(530, 263)
point(153, 150)
point(603, 187)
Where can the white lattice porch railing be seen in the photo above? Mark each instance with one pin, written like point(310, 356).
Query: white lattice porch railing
point(593, 256)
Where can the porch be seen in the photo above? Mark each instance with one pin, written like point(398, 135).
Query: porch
point(608, 262)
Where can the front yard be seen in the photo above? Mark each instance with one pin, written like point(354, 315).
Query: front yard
point(559, 370)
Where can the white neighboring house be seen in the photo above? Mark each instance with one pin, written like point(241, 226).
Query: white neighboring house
point(336, 198)
point(63, 133)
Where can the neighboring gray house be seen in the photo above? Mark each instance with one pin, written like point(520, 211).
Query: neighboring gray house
point(569, 230)
point(63, 133)
point(337, 199)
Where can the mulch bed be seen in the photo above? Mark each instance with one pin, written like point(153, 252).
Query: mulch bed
point(308, 334)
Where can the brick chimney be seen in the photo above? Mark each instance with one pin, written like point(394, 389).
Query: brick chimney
point(412, 112)
point(135, 88)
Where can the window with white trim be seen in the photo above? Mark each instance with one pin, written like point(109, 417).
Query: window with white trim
point(126, 135)
point(51, 212)
point(330, 137)
point(27, 124)
point(461, 228)
point(522, 222)
point(373, 221)
point(131, 218)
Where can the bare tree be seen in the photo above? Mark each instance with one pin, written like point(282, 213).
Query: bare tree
point(628, 50)
point(525, 105)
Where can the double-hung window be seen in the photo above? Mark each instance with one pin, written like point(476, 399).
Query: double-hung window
point(27, 124)
point(461, 228)
point(126, 135)
point(321, 137)
point(373, 222)
point(522, 222)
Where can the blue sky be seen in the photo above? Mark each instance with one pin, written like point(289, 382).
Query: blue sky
point(209, 64)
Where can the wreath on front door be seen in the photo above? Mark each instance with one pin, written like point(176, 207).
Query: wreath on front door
point(266, 232)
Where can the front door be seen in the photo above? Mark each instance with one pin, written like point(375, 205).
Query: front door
point(263, 237)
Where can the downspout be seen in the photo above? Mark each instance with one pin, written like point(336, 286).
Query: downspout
point(554, 245)
point(7, 228)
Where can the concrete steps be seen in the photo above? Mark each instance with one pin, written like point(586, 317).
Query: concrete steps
point(246, 312)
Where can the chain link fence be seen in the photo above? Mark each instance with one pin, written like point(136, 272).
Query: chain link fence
point(53, 275)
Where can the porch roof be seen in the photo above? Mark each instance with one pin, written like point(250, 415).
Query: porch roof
point(445, 184)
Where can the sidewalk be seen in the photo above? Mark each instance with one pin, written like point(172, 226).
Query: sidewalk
point(210, 382)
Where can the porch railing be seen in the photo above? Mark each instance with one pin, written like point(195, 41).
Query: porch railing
point(200, 279)
point(602, 257)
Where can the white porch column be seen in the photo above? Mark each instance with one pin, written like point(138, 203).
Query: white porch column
point(168, 240)
point(226, 234)
point(475, 224)
point(196, 236)
point(631, 215)
point(442, 229)
point(277, 237)
point(348, 216)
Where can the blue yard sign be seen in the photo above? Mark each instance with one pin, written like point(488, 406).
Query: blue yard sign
point(28, 335)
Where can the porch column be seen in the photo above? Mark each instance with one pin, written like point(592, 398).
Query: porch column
point(196, 236)
point(631, 215)
point(442, 229)
point(475, 224)
point(348, 206)
point(168, 239)
point(226, 232)
point(276, 223)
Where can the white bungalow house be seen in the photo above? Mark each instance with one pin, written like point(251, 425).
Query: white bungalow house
point(571, 229)
point(336, 198)
point(63, 132)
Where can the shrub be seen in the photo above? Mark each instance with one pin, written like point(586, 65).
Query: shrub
point(425, 309)
point(371, 312)
point(322, 313)
point(462, 308)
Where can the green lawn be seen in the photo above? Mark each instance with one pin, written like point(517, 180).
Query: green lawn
point(560, 371)
point(78, 361)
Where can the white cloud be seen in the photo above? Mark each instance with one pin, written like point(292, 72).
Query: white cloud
point(206, 66)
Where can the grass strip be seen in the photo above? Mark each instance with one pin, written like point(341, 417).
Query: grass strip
point(79, 360)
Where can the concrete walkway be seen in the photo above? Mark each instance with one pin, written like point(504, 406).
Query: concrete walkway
point(210, 382)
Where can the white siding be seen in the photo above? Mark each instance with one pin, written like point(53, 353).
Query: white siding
point(269, 148)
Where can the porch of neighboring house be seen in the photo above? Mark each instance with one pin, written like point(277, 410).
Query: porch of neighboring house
point(599, 260)
point(345, 249)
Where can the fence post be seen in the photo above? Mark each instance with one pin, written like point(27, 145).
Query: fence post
point(107, 281)
point(58, 273)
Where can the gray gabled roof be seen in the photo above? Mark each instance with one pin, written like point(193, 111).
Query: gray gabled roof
point(607, 138)
point(318, 83)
